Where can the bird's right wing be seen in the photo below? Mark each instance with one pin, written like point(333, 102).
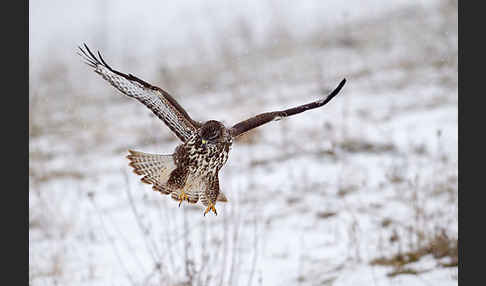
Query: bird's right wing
point(156, 99)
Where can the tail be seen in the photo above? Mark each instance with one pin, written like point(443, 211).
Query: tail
point(222, 197)
point(155, 168)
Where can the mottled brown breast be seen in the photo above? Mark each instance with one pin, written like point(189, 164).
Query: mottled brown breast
point(202, 159)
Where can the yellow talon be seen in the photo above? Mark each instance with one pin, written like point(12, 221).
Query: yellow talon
point(182, 197)
point(210, 208)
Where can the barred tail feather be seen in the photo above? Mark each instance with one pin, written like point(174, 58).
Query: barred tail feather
point(222, 197)
point(155, 168)
point(192, 188)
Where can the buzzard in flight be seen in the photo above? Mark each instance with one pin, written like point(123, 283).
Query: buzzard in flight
point(191, 172)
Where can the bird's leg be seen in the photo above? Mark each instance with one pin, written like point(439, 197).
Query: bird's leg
point(182, 197)
point(210, 208)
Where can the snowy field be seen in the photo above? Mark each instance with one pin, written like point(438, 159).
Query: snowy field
point(360, 192)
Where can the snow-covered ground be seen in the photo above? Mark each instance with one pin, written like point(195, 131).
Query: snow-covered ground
point(361, 192)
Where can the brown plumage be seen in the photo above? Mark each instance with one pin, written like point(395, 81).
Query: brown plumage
point(191, 172)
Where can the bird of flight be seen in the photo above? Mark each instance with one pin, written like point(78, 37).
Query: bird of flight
point(191, 172)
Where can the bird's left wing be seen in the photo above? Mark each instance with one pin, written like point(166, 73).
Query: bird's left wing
point(156, 99)
point(263, 118)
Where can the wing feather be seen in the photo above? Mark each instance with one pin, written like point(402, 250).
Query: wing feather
point(263, 118)
point(156, 99)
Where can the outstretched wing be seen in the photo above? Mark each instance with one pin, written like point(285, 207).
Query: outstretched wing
point(159, 101)
point(263, 118)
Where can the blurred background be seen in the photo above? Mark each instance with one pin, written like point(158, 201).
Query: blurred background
point(361, 192)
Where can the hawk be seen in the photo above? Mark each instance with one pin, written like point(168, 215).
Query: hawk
point(191, 172)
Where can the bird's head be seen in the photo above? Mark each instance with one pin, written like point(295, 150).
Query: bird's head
point(212, 132)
